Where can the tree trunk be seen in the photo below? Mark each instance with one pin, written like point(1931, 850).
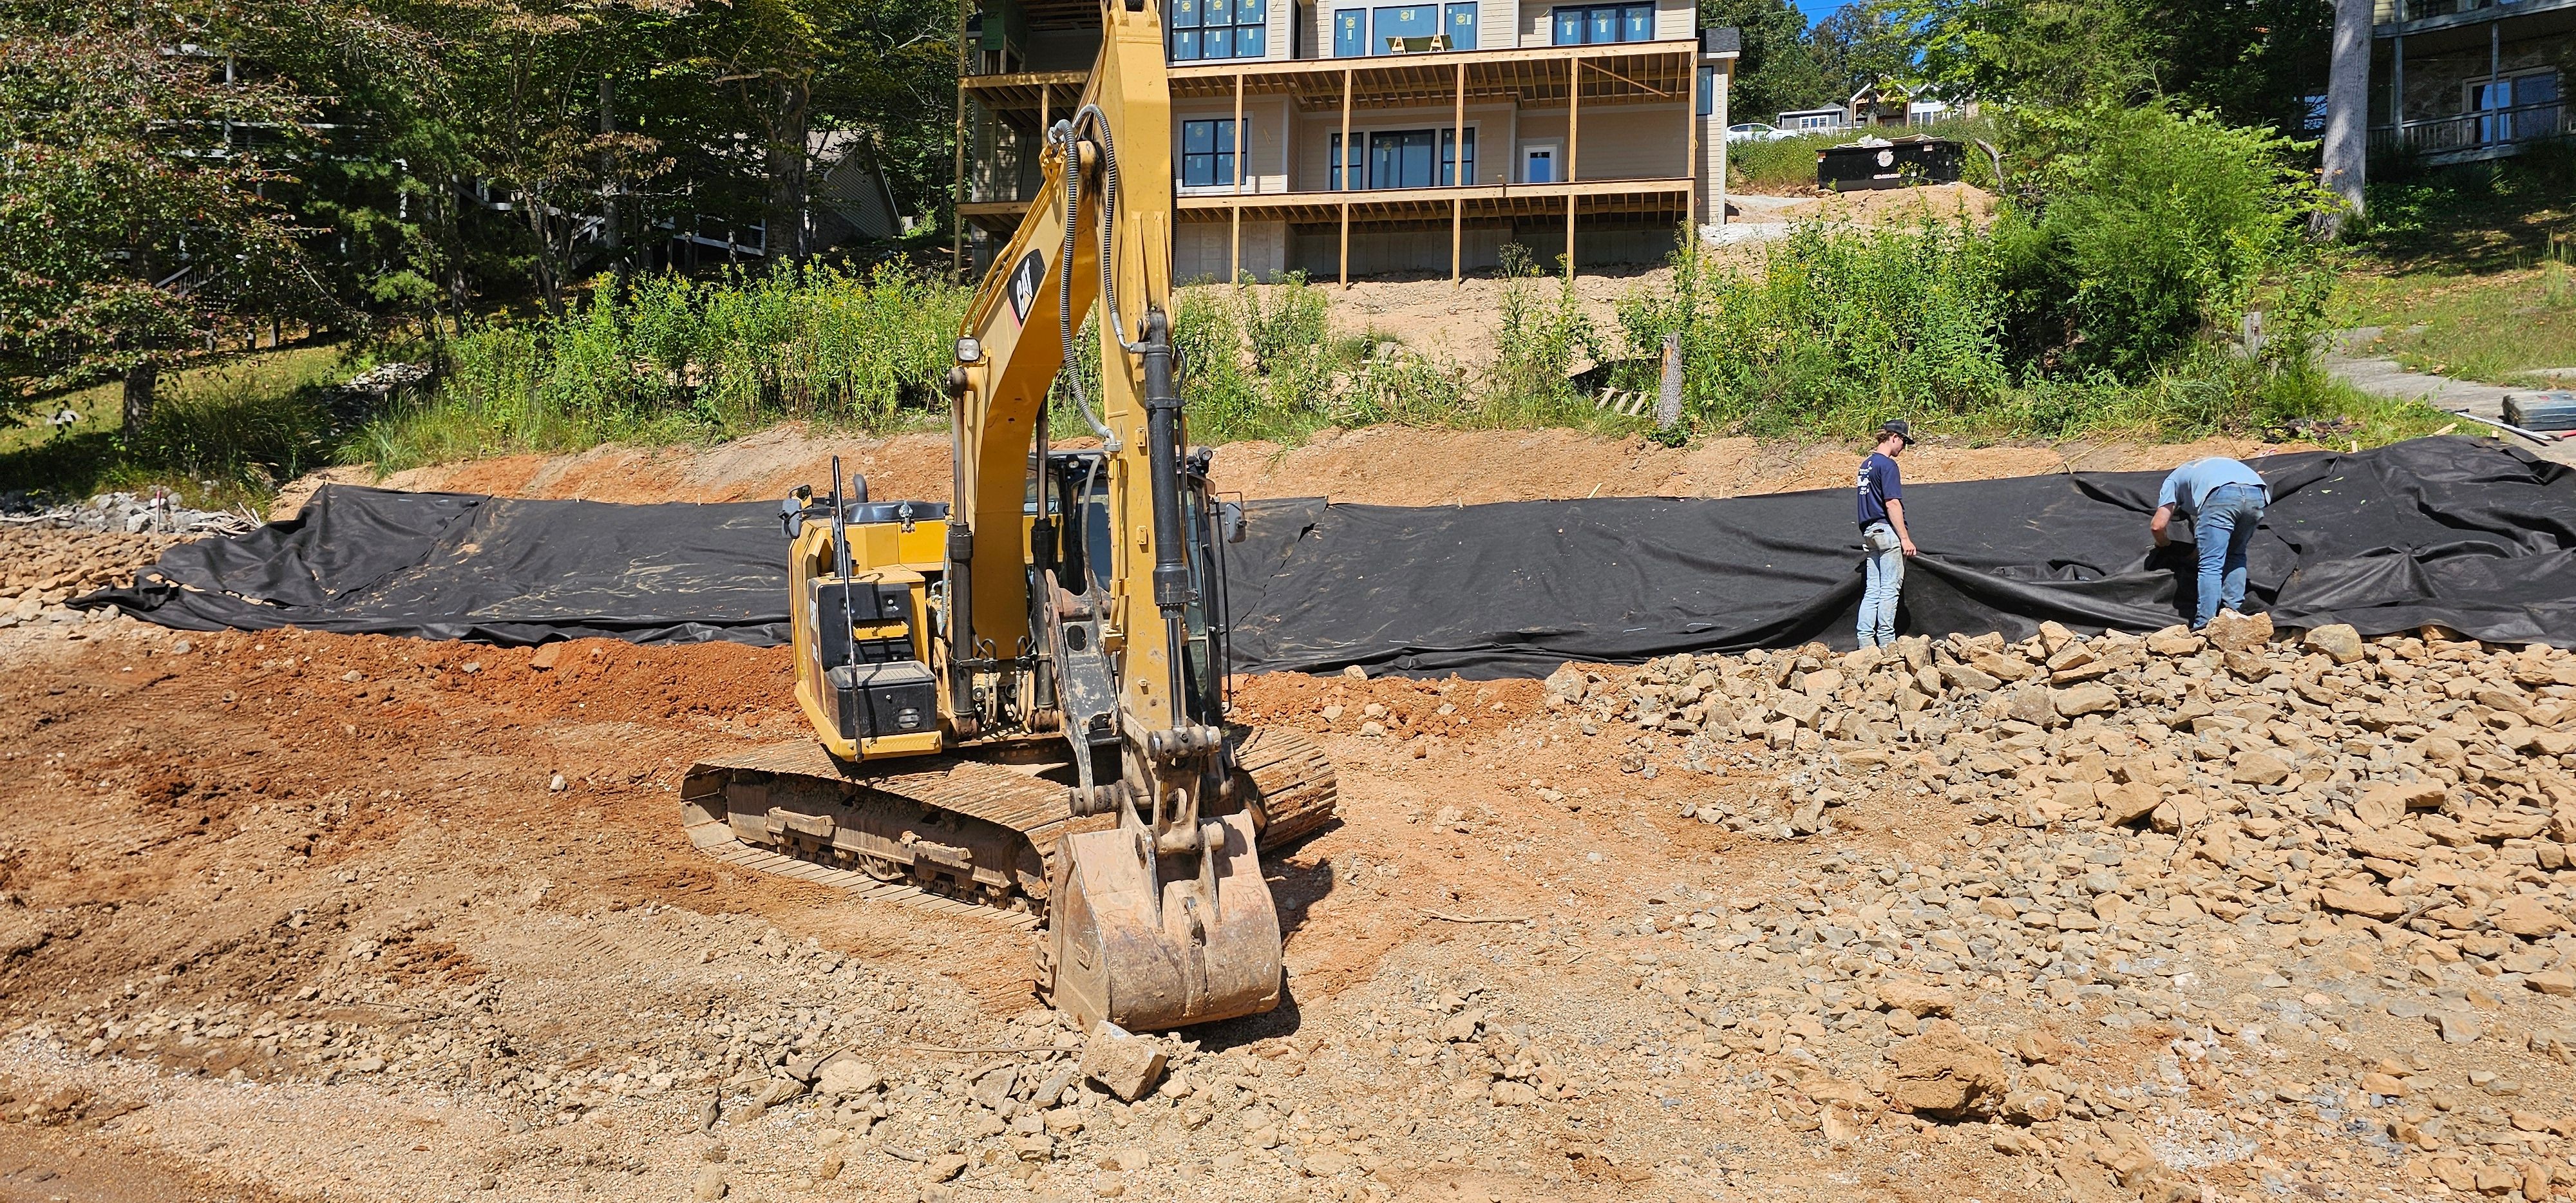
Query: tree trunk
point(140, 382)
point(543, 266)
point(609, 235)
point(2347, 137)
point(788, 235)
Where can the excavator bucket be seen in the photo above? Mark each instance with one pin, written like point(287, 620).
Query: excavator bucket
point(1148, 944)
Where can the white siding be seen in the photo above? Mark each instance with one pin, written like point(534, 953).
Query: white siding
point(1676, 20)
point(1710, 208)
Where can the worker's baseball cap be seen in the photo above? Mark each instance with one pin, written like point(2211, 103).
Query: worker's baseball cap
point(1900, 428)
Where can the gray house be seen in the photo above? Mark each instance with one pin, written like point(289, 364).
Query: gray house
point(2462, 80)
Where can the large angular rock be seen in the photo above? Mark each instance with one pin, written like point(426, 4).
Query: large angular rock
point(1797, 708)
point(2259, 768)
point(2173, 641)
point(2002, 667)
point(2031, 704)
point(1943, 1073)
point(2234, 632)
point(2526, 916)
point(2385, 803)
point(1125, 1064)
point(2367, 903)
point(1917, 999)
point(2128, 803)
point(2337, 641)
point(1969, 678)
point(844, 1075)
point(2086, 699)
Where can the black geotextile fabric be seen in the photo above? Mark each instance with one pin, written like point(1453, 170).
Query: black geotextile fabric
point(2466, 533)
point(466, 566)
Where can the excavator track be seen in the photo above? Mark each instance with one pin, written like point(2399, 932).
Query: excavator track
point(1293, 787)
point(947, 834)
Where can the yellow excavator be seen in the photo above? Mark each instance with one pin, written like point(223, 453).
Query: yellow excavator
point(1020, 696)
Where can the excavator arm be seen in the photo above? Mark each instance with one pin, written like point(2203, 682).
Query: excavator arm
point(1163, 919)
point(1106, 200)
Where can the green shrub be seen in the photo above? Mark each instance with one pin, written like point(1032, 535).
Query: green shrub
point(1780, 166)
point(668, 357)
point(1837, 325)
point(233, 427)
point(2140, 231)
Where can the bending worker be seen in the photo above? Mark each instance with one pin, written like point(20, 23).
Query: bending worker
point(1883, 538)
point(2224, 501)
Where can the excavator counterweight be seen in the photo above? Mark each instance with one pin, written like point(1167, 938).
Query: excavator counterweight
point(1019, 695)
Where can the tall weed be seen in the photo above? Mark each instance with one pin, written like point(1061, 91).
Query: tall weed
point(669, 357)
point(1837, 327)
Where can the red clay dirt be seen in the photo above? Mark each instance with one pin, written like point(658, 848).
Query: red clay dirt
point(1379, 465)
point(301, 916)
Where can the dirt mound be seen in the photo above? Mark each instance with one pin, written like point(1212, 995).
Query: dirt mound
point(1378, 465)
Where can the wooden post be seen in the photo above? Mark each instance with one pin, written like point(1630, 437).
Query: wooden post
point(1234, 252)
point(1573, 134)
point(1344, 168)
point(1458, 153)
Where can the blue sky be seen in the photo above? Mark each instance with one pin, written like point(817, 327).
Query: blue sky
point(1818, 10)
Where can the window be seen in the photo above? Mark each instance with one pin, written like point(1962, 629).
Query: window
point(2525, 106)
point(1359, 32)
point(1461, 26)
point(1538, 164)
point(1208, 158)
point(1707, 101)
point(1593, 24)
point(1214, 29)
point(1449, 173)
point(1389, 25)
point(1402, 158)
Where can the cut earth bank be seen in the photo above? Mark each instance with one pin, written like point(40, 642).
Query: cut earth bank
point(2112, 918)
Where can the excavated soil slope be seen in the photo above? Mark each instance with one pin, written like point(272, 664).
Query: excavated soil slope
point(294, 916)
point(1380, 465)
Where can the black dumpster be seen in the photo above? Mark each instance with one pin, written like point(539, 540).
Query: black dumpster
point(1888, 163)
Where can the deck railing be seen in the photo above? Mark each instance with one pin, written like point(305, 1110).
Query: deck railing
point(2504, 128)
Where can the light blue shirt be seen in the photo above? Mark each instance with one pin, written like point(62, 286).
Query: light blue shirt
point(2189, 485)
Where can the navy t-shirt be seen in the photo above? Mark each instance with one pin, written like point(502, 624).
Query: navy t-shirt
point(1879, 484)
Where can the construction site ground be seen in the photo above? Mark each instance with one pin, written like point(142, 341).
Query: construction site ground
point(295, 916)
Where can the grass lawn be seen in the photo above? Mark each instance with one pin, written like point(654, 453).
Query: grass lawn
point(222, 433)
point(2470, 271)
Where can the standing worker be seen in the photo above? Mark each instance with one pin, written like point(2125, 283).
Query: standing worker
point(1883, 538)
point(2224, 500)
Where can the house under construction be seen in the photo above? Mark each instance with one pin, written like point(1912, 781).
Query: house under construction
point(1352, 140)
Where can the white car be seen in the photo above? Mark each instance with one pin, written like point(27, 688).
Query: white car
point(1755, 131)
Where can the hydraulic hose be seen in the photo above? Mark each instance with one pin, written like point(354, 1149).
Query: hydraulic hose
point(1063, 137)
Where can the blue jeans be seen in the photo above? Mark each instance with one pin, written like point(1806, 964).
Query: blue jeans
point(1883, 563)
point(2220, 532)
